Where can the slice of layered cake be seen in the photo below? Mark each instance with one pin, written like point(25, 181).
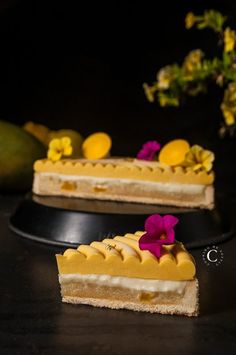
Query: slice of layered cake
point(145, 271)
point(130, 180)
point(181, 176)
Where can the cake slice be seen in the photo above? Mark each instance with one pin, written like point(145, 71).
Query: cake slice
point(124, 179)
point(116, 273)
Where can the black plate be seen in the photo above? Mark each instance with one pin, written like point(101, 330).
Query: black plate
point(71, 221)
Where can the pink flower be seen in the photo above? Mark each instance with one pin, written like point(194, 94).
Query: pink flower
point(148, 150)
point(159, 230)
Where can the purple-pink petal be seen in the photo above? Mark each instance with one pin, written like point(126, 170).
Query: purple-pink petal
point(146, 239)
point(147, 243)
point(169, 221)
point(154, 226)
point(155, 249)
point(148, 150)
point(170, 237)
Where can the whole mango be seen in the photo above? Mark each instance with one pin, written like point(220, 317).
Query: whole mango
point(18, 152)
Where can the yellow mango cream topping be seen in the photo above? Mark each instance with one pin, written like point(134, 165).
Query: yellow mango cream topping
point(125, 168)
point(121, 256)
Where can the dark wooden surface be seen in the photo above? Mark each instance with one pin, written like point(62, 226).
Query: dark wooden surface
point(34, 321)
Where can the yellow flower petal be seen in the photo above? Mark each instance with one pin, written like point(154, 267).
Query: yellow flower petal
point(199, 159)
point(196, 151)
point(164, 77)
point(189, 20)
point(208, 156)
point(65, 141)
point(67, 150)
point(55, 144)
point(197, 167)
point(149, 92)
point(59, 147)
point(229, 117)
point(54, 155)
point(192, 61)
point(189, 158)
point(229, 39)
point(173, 153)
point(207, 166)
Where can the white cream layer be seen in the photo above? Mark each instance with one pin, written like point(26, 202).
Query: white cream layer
point(126, 282)
point(146, 185)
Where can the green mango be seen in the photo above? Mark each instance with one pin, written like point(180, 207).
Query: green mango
point(18, 152)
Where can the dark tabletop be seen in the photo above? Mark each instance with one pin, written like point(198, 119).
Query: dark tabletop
point(33, 319)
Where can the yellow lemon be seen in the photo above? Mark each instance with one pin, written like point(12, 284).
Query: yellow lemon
point(173, 153)
point(96, 146)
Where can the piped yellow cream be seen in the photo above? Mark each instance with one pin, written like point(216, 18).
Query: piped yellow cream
point(121, 256)
point(125, 169)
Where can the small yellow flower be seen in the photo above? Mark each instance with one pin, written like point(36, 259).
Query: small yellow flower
point(228, 106)
point(164, 78)
point(230, 94)
point(190, 20)
point(198, 159)
point(229, 39)
point(149, 92)
point(229, 117)
point(59, 147)
point(163, 101)
point(193, 61)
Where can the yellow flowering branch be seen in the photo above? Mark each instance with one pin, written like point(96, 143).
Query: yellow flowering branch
point(210, 18)
point(192, 76)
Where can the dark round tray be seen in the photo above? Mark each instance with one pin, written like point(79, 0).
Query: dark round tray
point(71, 221)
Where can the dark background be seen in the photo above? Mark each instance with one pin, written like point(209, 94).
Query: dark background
point(82, 66)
